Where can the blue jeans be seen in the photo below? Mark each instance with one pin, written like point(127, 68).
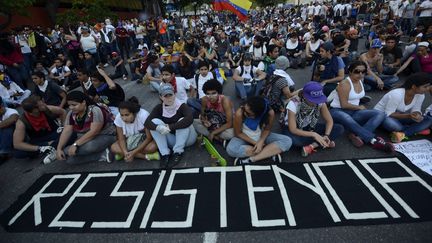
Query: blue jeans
point(154, 86)
point(361, 122)
point(195, 104)
point(237, 147)
point(6, 135)
point(389, 81)
point(178, 141)
point(408, 126)
point(245, 91)
point(300, 141)
point(90, 151)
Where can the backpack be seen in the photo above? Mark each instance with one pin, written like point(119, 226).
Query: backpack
point(344, 11)
point(267, 89)
point(242, 71)
point(106, 112)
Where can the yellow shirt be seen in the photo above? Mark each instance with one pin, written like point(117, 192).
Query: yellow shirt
point(178, 48)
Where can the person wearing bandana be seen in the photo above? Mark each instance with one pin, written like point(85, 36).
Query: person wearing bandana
point(300, 121)
point(253, 140)
point(11, 93)
point(170, 124)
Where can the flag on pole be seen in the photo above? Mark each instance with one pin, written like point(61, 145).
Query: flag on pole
point(238, 7)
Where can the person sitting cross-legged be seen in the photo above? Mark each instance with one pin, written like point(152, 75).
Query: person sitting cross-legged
point(253, 139)
point(8, 119)
point(133, 139)
point(301, 121)
point(248, 78)
point(402, 107)
point(215, 121)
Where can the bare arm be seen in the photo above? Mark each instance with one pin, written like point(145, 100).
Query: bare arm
point(10, 121)
point(343, 90)
point(238, 123)
point(19, 138)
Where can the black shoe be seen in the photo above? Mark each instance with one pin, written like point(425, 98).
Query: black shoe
point(175, 160)
point(366, 99)
point(164, 161)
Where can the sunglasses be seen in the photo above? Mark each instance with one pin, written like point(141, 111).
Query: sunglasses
point(356, 71)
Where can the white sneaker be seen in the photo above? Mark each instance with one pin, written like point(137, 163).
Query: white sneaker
point(124, 77)
point(277, 158)
point(106, 65)
point(50, 156)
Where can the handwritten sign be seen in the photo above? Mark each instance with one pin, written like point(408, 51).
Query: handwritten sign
point(419, 152)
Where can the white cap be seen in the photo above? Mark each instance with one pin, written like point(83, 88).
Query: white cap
point(424, 43)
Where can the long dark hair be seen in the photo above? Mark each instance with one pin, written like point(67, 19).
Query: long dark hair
point(132, 105)
point(79, 97)
point(260, 107)
point(417, 79)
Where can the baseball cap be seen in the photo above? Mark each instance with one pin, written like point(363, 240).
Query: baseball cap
point(165, 89)
point(376, 43)
point(282, 62)
point(313, 92)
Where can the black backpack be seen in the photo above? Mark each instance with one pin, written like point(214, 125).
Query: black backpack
point(242, 71)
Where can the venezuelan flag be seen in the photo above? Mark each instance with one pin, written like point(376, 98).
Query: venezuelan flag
point(238, 7)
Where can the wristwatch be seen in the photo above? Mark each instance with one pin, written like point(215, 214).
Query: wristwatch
point(76, 145)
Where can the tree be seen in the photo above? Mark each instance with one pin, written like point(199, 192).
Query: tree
point(11, 7)
point(85, 11)
point(264, 3)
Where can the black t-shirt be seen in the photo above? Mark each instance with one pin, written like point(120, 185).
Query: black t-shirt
point(110, 97)
point(51, 96)
point(192, 49)
point(390, 56)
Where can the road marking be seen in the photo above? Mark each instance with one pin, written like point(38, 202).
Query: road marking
point(210, 237)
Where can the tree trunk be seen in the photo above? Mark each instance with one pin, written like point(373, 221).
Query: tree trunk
point(51, 7)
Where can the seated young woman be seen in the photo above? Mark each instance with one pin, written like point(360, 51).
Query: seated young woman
point(170, 125)
point(301, 120)
point(94, 129)
point(133, 139)
point(402, 107)
point(253, 139)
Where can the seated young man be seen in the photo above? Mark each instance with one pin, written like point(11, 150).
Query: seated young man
point(11, 93)
point(248, 79)
point(49, 91)
point(8, 118)
point(37, 131)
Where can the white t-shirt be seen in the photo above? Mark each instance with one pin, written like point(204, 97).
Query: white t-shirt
point(317, 10)
point(311, 9)
point(247, 71)
point(60, 71)
point(393, 101)
point(428, 12)
point(258, 52)
point(13, 89)
point(293, 106)
point(201, 82)
point(136, 127)
point(9, 112)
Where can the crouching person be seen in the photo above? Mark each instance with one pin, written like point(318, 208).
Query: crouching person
point(37, 131)
point(133, 139)
point(301, 120)
point(215, 121)
point(91, 125)
point(170, 124)
point(253, 139)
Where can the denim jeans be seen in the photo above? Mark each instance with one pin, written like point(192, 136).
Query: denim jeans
point(154, 86)
point(178, 141)
point(245, 91)
point(237, 147)
point(6, 135)
point(408, 126)
point(195, 104)
point(361, 122)
point(300, 141)
point(389, 81)
point(92, 150)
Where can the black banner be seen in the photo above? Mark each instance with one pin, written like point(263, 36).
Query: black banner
point(252, 197)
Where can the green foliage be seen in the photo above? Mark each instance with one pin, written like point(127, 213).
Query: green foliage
point(89, 11)
point(15, 6)
point(264, 3)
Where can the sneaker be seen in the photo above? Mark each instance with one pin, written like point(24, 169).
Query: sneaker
point(381, 144)
point(366, 99)
point(307, 150)
point(164, 161)
point(124, 77)
point(355, 140)
point(397, 137)
point(153, 156)
point(240, 161)
point(109, 157)
point(224, 143)
point(277, 158)
point(175, 160)
point(49, 156)
point(45, 149)
point(425, 132)
point(106, 65)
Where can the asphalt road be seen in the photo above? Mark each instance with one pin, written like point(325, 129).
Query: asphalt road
point(18, 175)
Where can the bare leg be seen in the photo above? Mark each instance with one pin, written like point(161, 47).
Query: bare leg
point(268, 151)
